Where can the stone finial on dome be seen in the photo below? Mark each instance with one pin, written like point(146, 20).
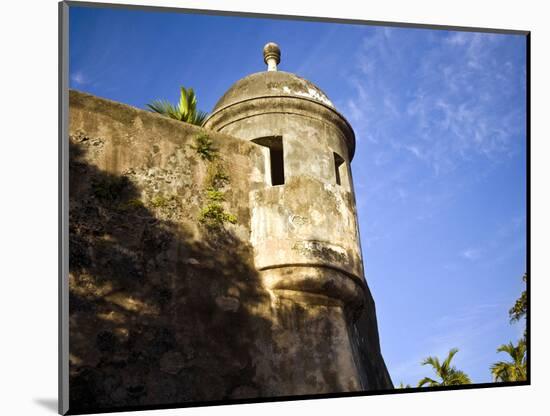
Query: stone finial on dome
point(272, 56)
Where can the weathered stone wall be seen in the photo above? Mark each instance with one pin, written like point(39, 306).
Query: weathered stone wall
point(164, 309)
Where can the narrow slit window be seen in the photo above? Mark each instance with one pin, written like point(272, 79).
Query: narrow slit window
point(276, 161)
point(338, 166)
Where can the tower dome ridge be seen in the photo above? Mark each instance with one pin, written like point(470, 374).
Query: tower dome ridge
point(272, 84)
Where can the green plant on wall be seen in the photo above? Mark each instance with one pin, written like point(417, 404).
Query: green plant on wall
point(159, 201)
point(215, 195)
point(216, 176)
point(204, 147)
point(213, 215)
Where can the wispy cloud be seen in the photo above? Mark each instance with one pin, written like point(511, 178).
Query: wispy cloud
point(460, 329)
point(432, 114)
point(458, 38)
point(471, 254)
point(450, 108)
point(415, 150)
point(79, 78)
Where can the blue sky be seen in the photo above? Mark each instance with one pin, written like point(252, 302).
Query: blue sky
point(439, 170)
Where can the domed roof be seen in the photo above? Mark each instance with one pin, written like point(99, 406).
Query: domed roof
point(272, 84)
point(269, 91)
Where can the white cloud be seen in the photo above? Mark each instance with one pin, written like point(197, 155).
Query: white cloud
point(438, 119)
point(355, 113)
point(471, 254)
point(415, 150)
point(79, 78)
point(458, 38)
point(461, 329)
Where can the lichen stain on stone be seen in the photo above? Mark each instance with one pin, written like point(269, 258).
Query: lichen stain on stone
point(297, 221)
point(308, 93)
point(321, 250)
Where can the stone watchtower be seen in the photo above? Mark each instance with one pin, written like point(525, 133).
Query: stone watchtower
point(275, 306)
point(304, 231)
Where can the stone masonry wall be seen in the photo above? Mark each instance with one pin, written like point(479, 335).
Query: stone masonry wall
point(160, 306)
point(163, 308)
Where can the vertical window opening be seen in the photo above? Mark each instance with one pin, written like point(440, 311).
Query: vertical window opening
point(276, 160)
point(338, 166)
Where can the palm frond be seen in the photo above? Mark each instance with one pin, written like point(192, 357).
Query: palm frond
point(184, 103)
point(508, 348)
point(501, 371)
point(433, 361)
point(447, 362)
point(200, 118)
point(448, 374)
point(162, 107)
point(457, 377)
point(427, 380)
point(514, 370)
point(186, 109)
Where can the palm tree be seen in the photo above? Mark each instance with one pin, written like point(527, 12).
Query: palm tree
point(403, 386)
point(515, 370)
point(186, 109)
point(449, 376)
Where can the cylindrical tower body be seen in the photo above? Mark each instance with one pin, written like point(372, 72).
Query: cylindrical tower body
point(304, 227)
point(304, 224)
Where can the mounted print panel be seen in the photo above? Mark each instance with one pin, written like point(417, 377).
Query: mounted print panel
point(266, 208)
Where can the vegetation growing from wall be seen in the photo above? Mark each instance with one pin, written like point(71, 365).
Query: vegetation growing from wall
point(204, 147)
point(213, 214)
point(217, 178)
point(126, 287)
point(160, 201)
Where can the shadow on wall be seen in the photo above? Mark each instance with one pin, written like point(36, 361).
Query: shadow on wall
point(156, 316)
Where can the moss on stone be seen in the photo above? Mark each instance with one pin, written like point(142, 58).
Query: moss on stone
point(213, 215)
point(109, 188)
point(216, 176)
point(215, 195)
point(204, 147)
point(159, 201)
